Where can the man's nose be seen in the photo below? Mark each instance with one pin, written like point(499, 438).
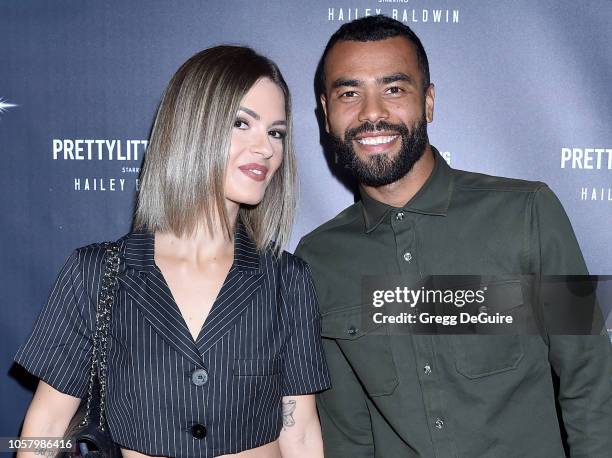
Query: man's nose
point(373, 109)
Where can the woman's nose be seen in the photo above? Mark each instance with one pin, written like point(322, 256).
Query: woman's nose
point(261, 145)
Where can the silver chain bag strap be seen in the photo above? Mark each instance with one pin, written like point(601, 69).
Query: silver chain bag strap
point(88, 430)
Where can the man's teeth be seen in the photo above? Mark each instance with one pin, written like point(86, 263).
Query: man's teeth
point(377, 140)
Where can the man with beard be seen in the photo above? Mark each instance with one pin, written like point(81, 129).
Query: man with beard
point(409, 395)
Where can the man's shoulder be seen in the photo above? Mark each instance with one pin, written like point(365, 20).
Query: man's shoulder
point(343, 223)
point(473, 181)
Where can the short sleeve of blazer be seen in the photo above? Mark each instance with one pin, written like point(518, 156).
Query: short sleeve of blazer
point(58, 349)
point(304, 366)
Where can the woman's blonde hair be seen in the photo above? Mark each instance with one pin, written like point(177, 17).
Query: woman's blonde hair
point(181, 184)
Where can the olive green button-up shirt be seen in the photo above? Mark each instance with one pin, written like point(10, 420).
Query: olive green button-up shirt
point(451, 395)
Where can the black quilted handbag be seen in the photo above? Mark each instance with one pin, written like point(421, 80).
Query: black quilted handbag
point(88, 431)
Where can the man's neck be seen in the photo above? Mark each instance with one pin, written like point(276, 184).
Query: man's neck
point(400, 192)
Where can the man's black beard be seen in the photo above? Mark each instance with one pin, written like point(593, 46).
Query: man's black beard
point(380, 169)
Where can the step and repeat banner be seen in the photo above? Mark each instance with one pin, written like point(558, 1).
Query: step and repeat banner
point(523, 90)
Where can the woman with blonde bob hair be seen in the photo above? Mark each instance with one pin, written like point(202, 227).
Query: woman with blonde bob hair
point(214, 343)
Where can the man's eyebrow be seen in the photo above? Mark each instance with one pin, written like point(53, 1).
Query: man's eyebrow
point(345, 82)
point(395, 77)
point(250, 112)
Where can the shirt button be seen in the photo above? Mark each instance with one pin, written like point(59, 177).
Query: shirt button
point(198, 431)
point(439, 423)
point(199, 377)
point(352, 331)
point(399, 216)
point(407, 256)
point(427, 369)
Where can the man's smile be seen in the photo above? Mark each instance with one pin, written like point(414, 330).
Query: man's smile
point(377, 139)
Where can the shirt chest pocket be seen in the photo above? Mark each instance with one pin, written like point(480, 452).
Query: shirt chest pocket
point(480, 354)
point(367, 351)
point(258, 379)
point(256, 367)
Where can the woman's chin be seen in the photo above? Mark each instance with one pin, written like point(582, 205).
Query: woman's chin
point(246, 201)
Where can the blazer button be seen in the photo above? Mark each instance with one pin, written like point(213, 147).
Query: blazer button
point(199, 377)
point(198, 431)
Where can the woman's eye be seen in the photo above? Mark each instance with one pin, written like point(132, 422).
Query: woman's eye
point(278, 134)
point(240, 124)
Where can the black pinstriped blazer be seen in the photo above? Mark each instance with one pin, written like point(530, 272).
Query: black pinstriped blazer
point(168, 394)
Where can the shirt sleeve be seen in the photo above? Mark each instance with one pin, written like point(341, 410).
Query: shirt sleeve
point(583, 363)
point(345, 419)
point(58, 350)
point(304, 366)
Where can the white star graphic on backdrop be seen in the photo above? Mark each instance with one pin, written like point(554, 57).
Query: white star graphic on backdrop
point(5, 105)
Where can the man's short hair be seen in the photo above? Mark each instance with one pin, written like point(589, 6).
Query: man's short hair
point(376, 28)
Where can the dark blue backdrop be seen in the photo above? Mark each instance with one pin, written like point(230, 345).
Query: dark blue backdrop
point(523, 90)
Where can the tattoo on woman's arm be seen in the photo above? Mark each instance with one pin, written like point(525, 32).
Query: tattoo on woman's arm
point(288, 409)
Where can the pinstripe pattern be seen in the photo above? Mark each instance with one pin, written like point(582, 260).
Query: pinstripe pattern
point(260, 341)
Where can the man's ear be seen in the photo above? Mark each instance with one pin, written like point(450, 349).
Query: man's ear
point(430, 95)
point(323, 99)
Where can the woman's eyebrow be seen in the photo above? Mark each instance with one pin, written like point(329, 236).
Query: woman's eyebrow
point(256, 116)
point(250, 113)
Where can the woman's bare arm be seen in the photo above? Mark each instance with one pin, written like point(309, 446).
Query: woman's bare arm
point(49, 414)
point(301, 433)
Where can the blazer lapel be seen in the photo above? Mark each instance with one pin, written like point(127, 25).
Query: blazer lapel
point(144, 283)
point(237, 293)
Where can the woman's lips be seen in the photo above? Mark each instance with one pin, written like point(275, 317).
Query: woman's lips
point(254, 171)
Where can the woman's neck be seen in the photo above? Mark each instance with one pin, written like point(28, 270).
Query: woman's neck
point(201, 246)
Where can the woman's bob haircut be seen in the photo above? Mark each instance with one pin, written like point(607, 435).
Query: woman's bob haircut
point(181, 184)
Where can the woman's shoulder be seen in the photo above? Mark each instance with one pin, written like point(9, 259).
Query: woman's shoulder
point(94, 253)
point(283, 260)
point(287, 265)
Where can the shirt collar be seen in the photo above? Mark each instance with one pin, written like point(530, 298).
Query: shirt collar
point(432, 199)
point(139, 252)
